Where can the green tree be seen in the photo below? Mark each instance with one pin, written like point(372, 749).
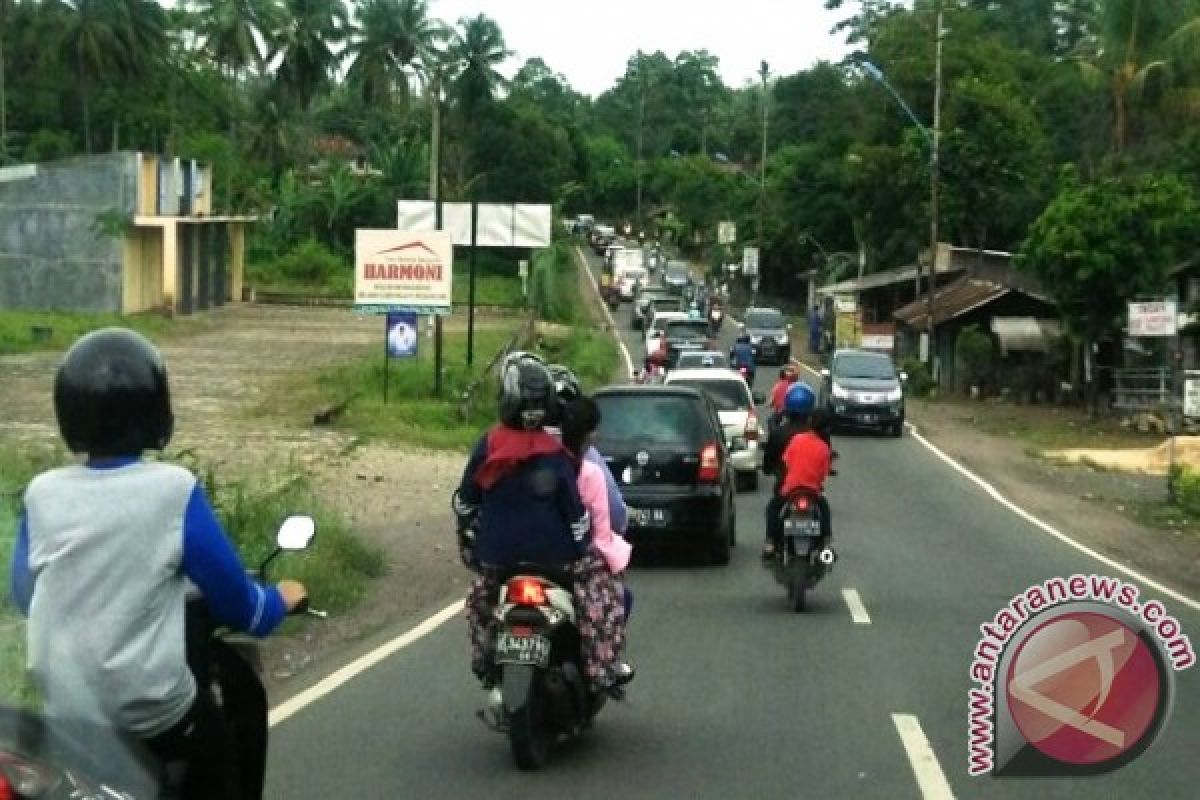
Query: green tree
point(94, 44)
point(390, 37)
point(306, 42)
point(478, 49)
point(1141, 41)
point(1098, 246)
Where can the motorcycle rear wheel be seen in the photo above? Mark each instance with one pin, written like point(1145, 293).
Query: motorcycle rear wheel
point(528, 735)
point(797, 592)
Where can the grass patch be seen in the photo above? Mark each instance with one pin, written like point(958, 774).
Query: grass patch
point(1044, 427)
point(593, 355)
point(336, 568)
point(412, 413)
point(490, 290)
point(17, 334)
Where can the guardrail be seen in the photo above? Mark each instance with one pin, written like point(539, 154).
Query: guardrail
point(519, 341)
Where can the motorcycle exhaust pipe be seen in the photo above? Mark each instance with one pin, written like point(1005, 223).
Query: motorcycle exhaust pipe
point(827, 556)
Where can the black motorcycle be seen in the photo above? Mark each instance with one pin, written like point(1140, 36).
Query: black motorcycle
point(539, 662)
point(229, 666)
point(803, 557)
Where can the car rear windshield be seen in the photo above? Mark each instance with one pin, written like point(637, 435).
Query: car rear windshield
point(871, 367)
point(693, 360)
point(764, 319)
point(668, 304)
point(730, 395)
point(627, 419)
point(687, 328)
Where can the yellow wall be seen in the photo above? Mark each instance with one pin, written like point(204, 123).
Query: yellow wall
point(147, 197)
point(237, 260)
point(142, 284)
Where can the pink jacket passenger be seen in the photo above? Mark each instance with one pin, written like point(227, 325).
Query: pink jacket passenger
point(593, 490)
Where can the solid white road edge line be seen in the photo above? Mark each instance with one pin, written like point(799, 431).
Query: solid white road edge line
point(930, 778)
point(587, 270)
point(1045, 527)
point(361, 665)
point(858, 611)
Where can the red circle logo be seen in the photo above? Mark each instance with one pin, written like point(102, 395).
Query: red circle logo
point(1084, 688)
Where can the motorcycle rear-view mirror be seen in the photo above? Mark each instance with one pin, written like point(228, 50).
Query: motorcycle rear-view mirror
point(296, 533)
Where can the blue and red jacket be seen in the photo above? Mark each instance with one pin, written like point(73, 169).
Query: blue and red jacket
point(524, 484)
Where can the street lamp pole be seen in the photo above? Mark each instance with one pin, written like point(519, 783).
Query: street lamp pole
point(933, 138)
point(764, 72)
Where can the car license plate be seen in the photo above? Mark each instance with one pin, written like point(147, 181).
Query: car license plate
point(803, 526)
point(649, 517)
point(530, 650)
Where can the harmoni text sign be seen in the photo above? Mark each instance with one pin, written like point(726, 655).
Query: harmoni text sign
point(403, 271)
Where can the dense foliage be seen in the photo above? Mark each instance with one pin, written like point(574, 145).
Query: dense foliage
point(318, 115)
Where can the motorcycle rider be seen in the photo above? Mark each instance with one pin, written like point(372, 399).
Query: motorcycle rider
point(787, 376)
point(800, 460)
point(104, 555)
point(567, 387)
point(518, 503)
point(742, 355)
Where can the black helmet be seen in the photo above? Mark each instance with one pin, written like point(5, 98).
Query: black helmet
point(111, 396)
point(527, 396)
point(566, 382)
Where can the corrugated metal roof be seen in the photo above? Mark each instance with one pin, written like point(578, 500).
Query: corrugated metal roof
point(1027, 334)
point(876, 280)
point(951, 301)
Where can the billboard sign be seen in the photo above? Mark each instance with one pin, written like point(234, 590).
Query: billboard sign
point(403, 271)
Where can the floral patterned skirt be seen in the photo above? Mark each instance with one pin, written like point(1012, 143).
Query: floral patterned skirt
point(599, 611)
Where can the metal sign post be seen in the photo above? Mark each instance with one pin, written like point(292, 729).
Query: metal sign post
point(1160, 318)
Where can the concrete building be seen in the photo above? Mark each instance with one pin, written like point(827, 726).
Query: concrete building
point(120, 232)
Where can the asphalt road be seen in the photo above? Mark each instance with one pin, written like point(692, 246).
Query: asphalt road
point(736, 697)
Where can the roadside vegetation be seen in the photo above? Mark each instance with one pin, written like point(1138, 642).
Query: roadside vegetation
point(31, 331)
point(467, 406)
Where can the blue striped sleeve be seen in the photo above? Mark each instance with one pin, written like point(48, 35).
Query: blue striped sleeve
point(20, 578)
point(210, 562)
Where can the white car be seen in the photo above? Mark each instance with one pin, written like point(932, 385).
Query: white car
point(738, 408)
point(658, 328)
point(627, 279)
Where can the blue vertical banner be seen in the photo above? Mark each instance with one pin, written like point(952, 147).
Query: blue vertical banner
point(402, 334)
point(400, 341)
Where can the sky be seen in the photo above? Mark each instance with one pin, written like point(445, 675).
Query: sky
point(590, 42)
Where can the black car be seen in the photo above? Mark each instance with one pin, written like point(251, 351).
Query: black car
point(666, 448)
point(656, 302)
point(770, 335)
point(642, 302)
point(683, 335)
point(677, 276)
point(863, 389)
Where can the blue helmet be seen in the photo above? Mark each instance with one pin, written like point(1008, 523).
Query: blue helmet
point(800, 399)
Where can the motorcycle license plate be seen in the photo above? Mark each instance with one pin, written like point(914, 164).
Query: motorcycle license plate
point(530, 650)
point(802, 527)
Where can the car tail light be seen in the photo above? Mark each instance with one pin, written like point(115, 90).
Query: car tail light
point(20, 777)
point(526, 592)
point(751, 432)
point(801, 503)
point(710, 464)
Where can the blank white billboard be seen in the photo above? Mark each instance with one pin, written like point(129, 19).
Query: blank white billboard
point(499, 224)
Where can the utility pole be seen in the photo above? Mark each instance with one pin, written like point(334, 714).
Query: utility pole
point(763, 72)
point(935, 170)
point(641, 125)
point(435, 193)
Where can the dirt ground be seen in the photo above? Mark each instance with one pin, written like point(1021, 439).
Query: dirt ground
point(398, 499)
point(1090, 505)
point(1147, 460)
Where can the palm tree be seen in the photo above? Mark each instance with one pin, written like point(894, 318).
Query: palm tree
point(234, 33)
point(391, 39)
point(478, 48)
point(1140, 41)
point(306, 41)
point(93, 44)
